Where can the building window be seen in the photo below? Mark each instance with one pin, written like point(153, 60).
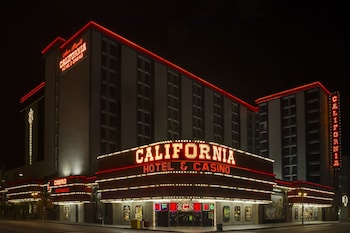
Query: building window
point(289, 138)
point(41, 135)
point(110, 96)
point(218, 118)
point(197, 111)
point(174, 125)
point(313, 144)
point(144, 100)
point(250, 131)
point(263, 130)
point(235, 126)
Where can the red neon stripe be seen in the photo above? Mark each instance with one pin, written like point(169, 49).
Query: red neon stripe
point(32, 92)
point(282, 182)
point(235, 167)
point(299, 183)
point(290, 92)
point(57, 40)
point(256, 171)
point(117, 169)
point(24, 181)
point(154, 56)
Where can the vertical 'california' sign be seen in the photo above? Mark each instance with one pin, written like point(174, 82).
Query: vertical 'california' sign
point(335, 149)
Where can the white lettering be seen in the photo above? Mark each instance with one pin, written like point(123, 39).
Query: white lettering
point(204, 150)
point(59, 182)
point(190, 150)
point(73, 57)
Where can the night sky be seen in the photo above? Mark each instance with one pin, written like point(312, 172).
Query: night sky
point(249, 48)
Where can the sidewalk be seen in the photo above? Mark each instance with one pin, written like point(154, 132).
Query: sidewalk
point(191, 229)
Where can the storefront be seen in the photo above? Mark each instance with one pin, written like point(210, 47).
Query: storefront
point(184, 213)
point(72, 197)
point(312, 202)
point(23, 199)
point(171, 184)
point(185, 183)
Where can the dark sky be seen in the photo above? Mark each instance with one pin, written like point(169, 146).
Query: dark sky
point(249, 48)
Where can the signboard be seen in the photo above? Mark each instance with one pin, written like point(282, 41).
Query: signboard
point(73, 55)
point(185, 169)
point(335, 143)
point(185, 155)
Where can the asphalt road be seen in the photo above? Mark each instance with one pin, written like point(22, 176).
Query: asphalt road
point(14, 226)
point(336, 227)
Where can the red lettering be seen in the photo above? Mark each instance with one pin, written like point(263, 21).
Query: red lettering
point(196, 166)
point(335, 98)
point(148, 168)
point(213, 167)
point(156, 167)
point(335, 134)
point(335, 156)
point(335, 106)
point(335, 141)
point(62, 190)
point(335, 148)
point(336, 163)
point(335, 127)
point(205, 167)
point(166, 166)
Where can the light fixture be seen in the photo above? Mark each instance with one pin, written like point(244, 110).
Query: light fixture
point(302, 195)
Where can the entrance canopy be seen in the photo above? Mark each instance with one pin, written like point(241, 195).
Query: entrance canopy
point(185, 169)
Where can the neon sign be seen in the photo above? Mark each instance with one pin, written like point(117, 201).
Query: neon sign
point(30, 121)
point(58, 182)
point(345, 200)
point(185, 156)
point(62, 190)
point(335, 130)
point(73, 55)
point(185, 150)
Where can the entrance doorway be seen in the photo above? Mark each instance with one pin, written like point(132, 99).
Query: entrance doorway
point(184, 214)
point(189, 218)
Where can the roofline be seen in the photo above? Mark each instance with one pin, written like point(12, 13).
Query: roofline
point(137, 47)
point(32, 92)
point(283, 183)
point(55, 41)
point(301, 183)
point(290, 92)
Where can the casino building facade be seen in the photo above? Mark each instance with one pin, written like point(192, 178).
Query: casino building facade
point(118, 135)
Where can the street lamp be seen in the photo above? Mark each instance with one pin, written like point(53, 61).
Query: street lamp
point(302, 195)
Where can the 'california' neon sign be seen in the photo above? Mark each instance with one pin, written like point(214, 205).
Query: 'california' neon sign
point(335, 130)
point(72, 55)
point(185, 151)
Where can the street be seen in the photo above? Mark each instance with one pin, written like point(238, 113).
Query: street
point(336, 227)
point(14, 226)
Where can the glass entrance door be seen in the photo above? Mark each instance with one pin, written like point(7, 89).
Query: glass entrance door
point(185, 218)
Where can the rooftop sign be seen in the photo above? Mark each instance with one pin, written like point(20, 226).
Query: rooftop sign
point(73, 55)
point(335, 143)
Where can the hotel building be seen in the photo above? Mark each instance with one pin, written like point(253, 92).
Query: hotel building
point(117, 134)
